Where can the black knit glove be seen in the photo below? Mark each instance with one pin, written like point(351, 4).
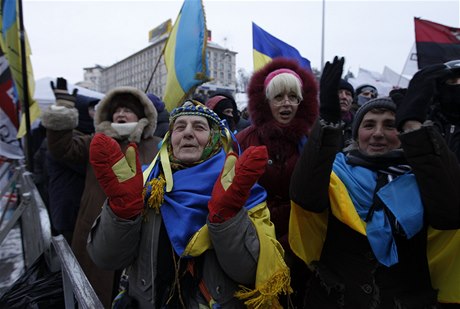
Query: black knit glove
point(63, 97)
point(329, 109)
point(419, 95)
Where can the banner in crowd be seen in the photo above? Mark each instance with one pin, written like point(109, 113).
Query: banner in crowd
point(9, 120)
point(436, 43)
point(185, 54)
point(11, 45)
point(266, 47)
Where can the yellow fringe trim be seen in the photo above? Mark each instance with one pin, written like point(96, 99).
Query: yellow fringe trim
point(267, 295)
point(156, 197)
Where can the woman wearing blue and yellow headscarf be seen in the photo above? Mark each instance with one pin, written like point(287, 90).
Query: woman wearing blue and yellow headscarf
point(195, 231)
point(360, 217)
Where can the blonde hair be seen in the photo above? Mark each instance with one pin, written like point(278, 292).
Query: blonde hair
point(283, 83)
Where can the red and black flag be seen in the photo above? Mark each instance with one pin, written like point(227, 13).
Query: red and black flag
point(436, 43)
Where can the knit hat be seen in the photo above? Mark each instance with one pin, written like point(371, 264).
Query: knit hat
point(260, 112)
point(195, 108)
point(275, 73)
point(347, 86)
point(219, 103)
point(367, 87)
point(159, 105)
point(383, 102)
point(129, 101)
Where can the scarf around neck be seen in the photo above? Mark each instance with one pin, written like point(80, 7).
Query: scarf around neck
point(185, 208)
point(400, 196)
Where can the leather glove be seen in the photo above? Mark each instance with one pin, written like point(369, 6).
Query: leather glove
point(63, 97)
point(233, 187)
point(419, 95)
point(329, 108)
point(119, 175)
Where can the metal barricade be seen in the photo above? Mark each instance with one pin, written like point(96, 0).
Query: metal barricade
point(33, 218)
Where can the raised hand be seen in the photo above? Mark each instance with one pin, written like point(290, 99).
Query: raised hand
point(329, 109)
point(234, 184)
point(119, 175)
point(63, 98)
point(420, 92)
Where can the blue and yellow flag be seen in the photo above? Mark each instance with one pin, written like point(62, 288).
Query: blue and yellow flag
point(11, 45)
point(185, 54)
point(266, 47)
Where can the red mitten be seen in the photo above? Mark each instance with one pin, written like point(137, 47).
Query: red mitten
point(234, 184)
point(119, 175)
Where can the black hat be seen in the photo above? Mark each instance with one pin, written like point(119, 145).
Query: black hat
point(347, 86)
point(383, 102)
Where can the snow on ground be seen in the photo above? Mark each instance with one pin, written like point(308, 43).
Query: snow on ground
point(11, 254)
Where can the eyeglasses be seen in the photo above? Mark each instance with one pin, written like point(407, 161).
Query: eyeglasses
point(281, 99)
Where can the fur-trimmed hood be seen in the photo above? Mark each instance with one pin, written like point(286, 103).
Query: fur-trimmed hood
point(145, 127)
point(258, 107)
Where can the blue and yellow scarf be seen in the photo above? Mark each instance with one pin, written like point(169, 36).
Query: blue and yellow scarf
point(185, 207)
point(351, 194)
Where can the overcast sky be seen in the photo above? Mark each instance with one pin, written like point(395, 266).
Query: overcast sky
point(67, 36)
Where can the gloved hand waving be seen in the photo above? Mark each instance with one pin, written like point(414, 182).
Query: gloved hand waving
point(419, 95)
point(329, 109)
point(234, 184)
point(63, 97)
point(119, 175)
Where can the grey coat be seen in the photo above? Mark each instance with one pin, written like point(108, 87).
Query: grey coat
point(115, 243)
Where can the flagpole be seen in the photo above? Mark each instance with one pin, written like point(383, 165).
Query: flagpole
point(322, 36)
point(156, 65)
point(28, 140)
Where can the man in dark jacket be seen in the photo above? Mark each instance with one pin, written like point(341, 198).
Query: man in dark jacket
point(445, 115)
point(346, 93)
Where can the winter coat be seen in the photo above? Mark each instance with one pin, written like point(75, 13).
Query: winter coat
point(348, 271)
point(153, 245)
point(116, 243)
point(448, 282)
point(162, 123)
point(67, 179)
point(284, 143)
point(64, 145)
point(66, 185)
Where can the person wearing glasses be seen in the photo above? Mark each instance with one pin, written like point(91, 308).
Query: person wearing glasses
point(282, 106)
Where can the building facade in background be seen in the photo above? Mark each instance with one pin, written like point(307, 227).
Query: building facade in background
point(136, 70)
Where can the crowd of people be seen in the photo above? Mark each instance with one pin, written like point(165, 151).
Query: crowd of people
point(316, 195)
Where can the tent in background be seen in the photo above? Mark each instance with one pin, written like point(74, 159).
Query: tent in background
point(44, 94)
point(384, 82)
